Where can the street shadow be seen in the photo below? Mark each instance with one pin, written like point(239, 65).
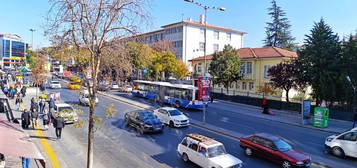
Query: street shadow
point(44, 137)
point(178, 162)
point(72, 102)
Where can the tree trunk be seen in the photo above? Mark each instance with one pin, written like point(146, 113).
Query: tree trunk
point(287, 95)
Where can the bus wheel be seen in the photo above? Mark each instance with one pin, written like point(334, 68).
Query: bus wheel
point(177, 104)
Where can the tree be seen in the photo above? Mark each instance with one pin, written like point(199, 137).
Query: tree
point(163, 64)
point(320, 60)
point(278, 31)
point(283, 77)
point(163, 45)
point(30, 57)
point(180, 71)
point(349, 53)
point(92, 25)
point(225, 67)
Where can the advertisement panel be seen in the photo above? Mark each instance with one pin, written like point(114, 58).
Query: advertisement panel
point(204, 87)
point(306, 111)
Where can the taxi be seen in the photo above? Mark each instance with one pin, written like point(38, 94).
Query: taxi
point(74, 86)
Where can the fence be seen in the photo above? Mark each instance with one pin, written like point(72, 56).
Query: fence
point(341, 112)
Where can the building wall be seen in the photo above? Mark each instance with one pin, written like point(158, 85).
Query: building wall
point(12, 50)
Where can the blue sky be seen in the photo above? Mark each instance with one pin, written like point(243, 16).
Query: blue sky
point(18, 16)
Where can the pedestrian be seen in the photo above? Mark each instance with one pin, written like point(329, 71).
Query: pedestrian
point(42, 106)
point(18, 101)
point(34, 105)
point(6, 90)
point(51, 105)
point(23, 91)
point(25, 162)
point(46, 119)
point(12, 92)
point(2, 161)
point(265, 106)
point(25, 119)
point(58, 123)
point(34, 117)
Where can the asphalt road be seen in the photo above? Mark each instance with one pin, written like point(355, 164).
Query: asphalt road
point(117, 146)
point(225, 115)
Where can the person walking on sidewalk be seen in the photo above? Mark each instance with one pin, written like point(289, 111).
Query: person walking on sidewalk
point(23, 91)
point(265, 106)
point(18, 101)
point(58, 123)
point(25, 119)
point(34, 117)
point(42, 106)
point(45, 118)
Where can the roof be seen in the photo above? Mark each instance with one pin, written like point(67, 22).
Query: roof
point(203, 139)
point(167, 84)
point(258, 53)
point(268, 136)
point(168, 108)
point(195, 23)
point(63, 105)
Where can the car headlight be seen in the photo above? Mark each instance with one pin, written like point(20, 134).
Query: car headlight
point(329, 139)
point(299, 162)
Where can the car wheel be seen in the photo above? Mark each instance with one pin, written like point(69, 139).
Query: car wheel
point(248, 152)
point(286, 164)
point(171, 124)
point(185, 157)
point(337, 151)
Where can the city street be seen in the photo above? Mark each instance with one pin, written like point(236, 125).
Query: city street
point(153, 149)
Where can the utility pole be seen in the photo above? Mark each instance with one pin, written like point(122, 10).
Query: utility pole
point(32, 30)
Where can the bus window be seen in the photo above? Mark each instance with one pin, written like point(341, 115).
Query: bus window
point(196, 94)
point(178, 93)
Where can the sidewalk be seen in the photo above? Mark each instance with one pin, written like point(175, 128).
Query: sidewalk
point(334, 126)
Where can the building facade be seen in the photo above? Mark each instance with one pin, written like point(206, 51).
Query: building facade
point(255, 63)
point(188, 40)
point(12, 51)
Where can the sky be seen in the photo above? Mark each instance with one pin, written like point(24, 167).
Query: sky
point(18, 16)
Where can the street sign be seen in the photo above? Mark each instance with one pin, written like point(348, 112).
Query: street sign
point(306, 114)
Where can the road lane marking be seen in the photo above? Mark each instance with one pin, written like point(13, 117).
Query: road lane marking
point(48, 149)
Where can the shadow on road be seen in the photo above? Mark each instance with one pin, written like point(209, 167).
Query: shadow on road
point(44, 137)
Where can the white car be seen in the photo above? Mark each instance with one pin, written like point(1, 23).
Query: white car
point(172, 117)
point(84, 97)
point(115, 87)
point(206, 152)
point(344, 144)
point(55, 85)
point(126, 88)
point(66, 111)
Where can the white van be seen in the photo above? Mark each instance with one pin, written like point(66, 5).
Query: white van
point(84, 97)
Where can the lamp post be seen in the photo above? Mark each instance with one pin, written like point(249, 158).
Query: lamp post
point(205, 7)
point(32, 30)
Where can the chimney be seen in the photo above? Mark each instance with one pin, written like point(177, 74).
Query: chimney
point(202, 19)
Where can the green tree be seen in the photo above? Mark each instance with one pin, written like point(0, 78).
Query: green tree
point(320, 60)
point(278, 31)
point(349, 52)
point(163, 64)
point(30, 57)
point(141, 54)
point(225, 67)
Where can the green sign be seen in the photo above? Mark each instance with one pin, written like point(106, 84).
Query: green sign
point(321, 117)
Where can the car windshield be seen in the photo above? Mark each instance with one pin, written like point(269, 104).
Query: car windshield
point(216, 151)
point(282, 145)
point(174, 112)
point(147, 115)
point(55, 82)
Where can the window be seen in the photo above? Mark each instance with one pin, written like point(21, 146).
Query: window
point(177, 44)
point(193, 146)
point(237, 85)
point(244, 86)
point(251, 85)
point(215, 47)
point(202, 31)
point(216, 35)
point(184, 142)
point(249, 67)
point(202, 46)
point(242, 68)
point(266, 68)
point(351, 136)
point(163, 111)
point(6, 48)
point(229, 36)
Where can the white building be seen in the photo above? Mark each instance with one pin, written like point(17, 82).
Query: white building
point(187, 37)
point(12, 50)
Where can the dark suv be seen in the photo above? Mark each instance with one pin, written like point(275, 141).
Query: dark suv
point(143, 121)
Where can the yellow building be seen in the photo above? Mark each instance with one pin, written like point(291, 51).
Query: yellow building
point(255, 63)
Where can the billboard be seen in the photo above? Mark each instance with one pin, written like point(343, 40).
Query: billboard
point(204, 87)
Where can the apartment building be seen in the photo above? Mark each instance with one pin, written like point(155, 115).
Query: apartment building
point(12, 51)
point(255, 63)
point(188, 40)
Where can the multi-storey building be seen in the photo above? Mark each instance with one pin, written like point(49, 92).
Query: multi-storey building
point(255, 63)
point(12, 50)
point(188, 40)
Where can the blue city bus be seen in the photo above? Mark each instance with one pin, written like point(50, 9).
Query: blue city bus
point(178, 95)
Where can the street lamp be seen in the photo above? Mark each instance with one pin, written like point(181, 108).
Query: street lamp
point(205, 7)
point(32, 30)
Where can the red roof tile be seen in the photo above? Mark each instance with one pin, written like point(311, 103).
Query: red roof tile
point(265, 52)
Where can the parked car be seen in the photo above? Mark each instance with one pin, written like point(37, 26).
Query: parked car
point(172, 117)
point(115, 87)
point(206, 152)
point(275, 149)
point(103, 87)
point(66, 111)
point(344, 144)
point(143, 121)
point(126, 88)
point(55, 85)
point(74, 86)
point(84, 97)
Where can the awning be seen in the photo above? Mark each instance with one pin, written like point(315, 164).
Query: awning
point(25, 69)
point(15, 142)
